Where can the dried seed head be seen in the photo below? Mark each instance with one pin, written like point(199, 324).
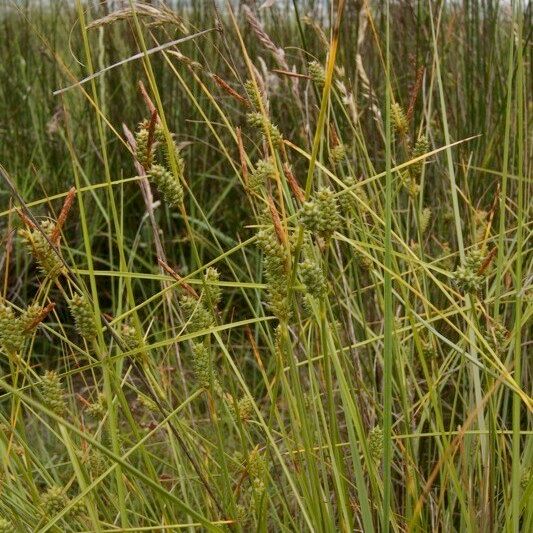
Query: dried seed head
point(82, 311)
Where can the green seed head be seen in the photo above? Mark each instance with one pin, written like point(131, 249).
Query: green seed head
point(52, 392)
point(83, 314)
point(195, 314)
point(375, 443)
point(317, 72)
point(263, 172)
point(6, 526)
point(313, 279)
point(167, 184)
point(399, 119)
point(11, 330)
point(47, 258)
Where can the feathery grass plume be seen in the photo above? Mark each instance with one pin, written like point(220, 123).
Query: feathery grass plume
point(83, 314)
point(257, 470)
point(212, 291)
point(275, 270)
point(6, 526)
point(375, 443)
point(421, 147)
point(313, 279)
point(203, 367)
point(195, 314)
point(425, 219)
point(399, 119)
point(317, 72)
point(47, 258)
point(52, 392)
point(263, 172)
point(11, 330)
point(268, 129)
point(167, 184)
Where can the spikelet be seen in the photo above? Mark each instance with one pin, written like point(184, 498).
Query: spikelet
point(212, 290)
point(255, 98)
point(256, 468)
point(421, 147)
point(265, 125)
point(11, 330)
point(52, 392)
point(95, 462)
point(143, 153)
point(375, 443)
point(309, 216)
point(497, 337)
point(167, 184)
point(263, 172)
point(47, 258)
point(98, 408)
point(275, 271)
point(468, 277)
point(329, 212)
point(481, 225)
point(313, 279)
point(399, 119)
point(30, 318)
point(317, 72)
point(337, 154)
point(197, 316)
point(6, 526)
point(82, 312)
point(202, 366)
point(243, 410)
point(147, 403)
point(54, 500)
point(425, 219)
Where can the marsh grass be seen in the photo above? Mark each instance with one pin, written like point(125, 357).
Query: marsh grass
point(276, 277)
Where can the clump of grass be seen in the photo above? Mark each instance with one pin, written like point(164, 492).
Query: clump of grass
point(277, 304)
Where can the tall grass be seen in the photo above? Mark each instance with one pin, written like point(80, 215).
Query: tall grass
point(275, 277)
